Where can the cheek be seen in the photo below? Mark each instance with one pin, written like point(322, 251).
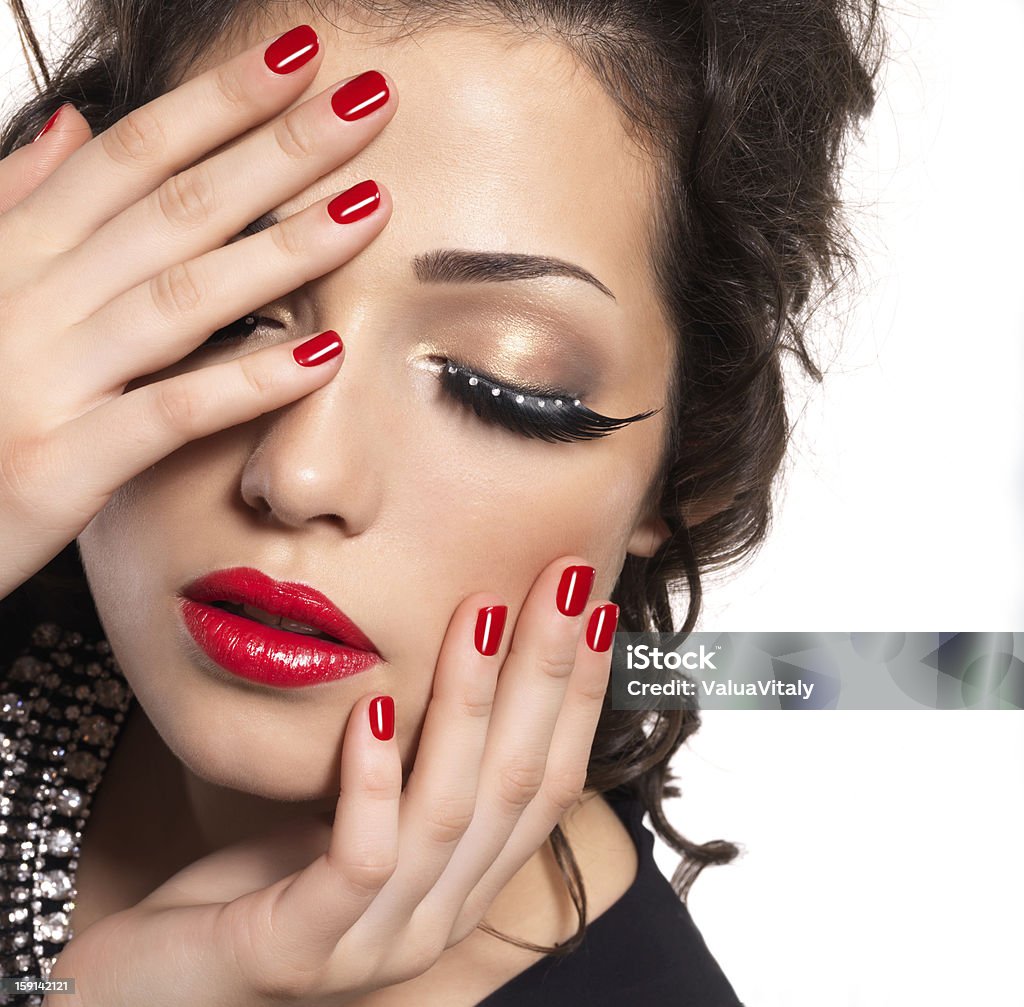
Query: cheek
point(125, 547)
point(494, 524)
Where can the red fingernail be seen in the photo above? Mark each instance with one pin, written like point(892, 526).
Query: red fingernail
point(318, 350)
point(355, 203)
point(601, 628)
point(50, 122)
point(293, 49)
point(360, 96)
point(382, 717)
point(490, 624)
point(574, 589)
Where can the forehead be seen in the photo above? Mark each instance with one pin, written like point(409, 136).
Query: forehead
point(501, 141)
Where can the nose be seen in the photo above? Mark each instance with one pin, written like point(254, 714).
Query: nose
point(317, 461)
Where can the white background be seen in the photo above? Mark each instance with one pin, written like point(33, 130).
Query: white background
point(881, 861)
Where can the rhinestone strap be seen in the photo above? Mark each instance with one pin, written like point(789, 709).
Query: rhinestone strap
point(62, 705)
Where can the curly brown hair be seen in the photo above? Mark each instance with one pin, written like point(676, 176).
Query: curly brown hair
point(746, 107)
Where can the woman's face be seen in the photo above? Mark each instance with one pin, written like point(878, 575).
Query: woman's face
point(377, 489)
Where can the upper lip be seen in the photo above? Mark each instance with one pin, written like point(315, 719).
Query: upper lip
point(245, 585)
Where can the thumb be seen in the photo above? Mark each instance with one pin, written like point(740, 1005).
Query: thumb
point(26, 168)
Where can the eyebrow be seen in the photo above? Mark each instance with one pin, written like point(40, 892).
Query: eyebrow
point(457, 265)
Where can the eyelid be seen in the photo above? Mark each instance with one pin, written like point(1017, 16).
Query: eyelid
point(532, 390)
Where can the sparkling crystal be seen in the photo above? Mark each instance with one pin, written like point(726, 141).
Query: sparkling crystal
point(59, 841)
point(52, 927)
point(25, 668)
point(97, 730)
point(46, 634)
point(83, 765)
point(110, 692)
point(13, 708)
point(55, 884)
point(68, 800)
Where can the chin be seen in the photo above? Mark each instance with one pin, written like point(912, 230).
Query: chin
point(232, 741)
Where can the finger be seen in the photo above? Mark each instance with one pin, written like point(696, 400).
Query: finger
point(441, 792)
point(530, 694)
point(313, 913)
point(179, 309)
point(152, 142)
point(566, 774)
point(128, 434)
point(202, 208)
point(25, 169)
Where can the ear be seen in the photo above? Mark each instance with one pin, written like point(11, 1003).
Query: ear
point(648, 536)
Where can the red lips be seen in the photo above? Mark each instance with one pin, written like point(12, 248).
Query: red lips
point(269, 654)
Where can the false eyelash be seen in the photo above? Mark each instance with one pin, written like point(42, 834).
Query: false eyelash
point(550, 414)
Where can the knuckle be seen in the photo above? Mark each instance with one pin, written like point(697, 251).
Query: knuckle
point(476, 703)
point(188, 199)
point(593, 688)
point(294, 138)
point(420, 953)
point(176, 291)
point(378, 784)
point(287, 238)
point(135, 139)
point(449, 818)
point(259, 378)
point(283, 985)
point(230, 88)
point(555, 663)
point(176, 406)
point(519, 783)
point(367, 873)
point(564, 787)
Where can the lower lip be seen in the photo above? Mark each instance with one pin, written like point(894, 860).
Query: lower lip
point(267, 654)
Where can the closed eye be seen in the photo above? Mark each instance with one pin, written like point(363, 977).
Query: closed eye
point(550, 414)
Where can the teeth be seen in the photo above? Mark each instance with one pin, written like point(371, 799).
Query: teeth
point(298, 627)
point(260, 616)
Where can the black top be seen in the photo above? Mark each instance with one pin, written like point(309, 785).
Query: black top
point(644, 949)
